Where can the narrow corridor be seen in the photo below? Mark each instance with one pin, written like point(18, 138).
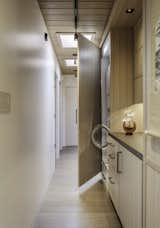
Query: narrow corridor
point(64, 207)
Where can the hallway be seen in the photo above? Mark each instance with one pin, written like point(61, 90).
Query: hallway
point(63, 207)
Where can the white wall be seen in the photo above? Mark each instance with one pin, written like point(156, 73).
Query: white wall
point(68, 81)
point(27, 66)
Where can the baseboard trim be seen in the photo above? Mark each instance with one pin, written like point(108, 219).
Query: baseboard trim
point(90, 183)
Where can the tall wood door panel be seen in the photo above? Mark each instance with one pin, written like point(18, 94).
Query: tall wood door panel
point(89, 108)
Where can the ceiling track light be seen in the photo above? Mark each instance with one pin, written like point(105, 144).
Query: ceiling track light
point(76, 8)
point(46, 36)
point(76, 18)
point(75, 36)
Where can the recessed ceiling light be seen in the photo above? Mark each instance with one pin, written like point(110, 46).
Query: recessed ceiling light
point(68, 41)
point(71, 62)
point(130, 10)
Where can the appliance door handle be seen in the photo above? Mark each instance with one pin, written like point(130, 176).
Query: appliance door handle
point(119, 153)
point(95, 143)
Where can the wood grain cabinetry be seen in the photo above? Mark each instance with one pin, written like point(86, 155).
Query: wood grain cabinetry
point(126, 66)
point(122, 68)
point(138, 62)
point(89, 102)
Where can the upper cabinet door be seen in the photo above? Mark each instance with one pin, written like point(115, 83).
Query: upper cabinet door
point(121, 69)
point(89, 108)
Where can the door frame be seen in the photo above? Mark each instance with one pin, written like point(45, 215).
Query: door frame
point(57, 116)
point(76, 116)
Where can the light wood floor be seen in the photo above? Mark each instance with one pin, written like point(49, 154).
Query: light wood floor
point(64, 207)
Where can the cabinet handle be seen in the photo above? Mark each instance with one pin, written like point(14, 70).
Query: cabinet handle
point(76, 117)
point(118, 159)
point(111, 156)
point(111, 181)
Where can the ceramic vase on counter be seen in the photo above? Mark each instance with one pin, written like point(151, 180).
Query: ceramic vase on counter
point(129, 124)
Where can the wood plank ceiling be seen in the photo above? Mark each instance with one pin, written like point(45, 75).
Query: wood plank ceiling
point(59, 18)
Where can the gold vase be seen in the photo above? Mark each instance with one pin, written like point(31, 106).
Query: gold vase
point(129, 126)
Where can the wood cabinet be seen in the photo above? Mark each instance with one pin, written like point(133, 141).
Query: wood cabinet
point(124, 183)
point(122, 68)
point(153, 198)
point(138, 61)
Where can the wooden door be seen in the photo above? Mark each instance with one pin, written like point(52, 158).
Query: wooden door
point(89, 108)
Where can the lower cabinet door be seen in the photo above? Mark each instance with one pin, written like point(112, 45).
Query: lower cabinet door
point(153, 199)
point(113, 187)
point(130, 191)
